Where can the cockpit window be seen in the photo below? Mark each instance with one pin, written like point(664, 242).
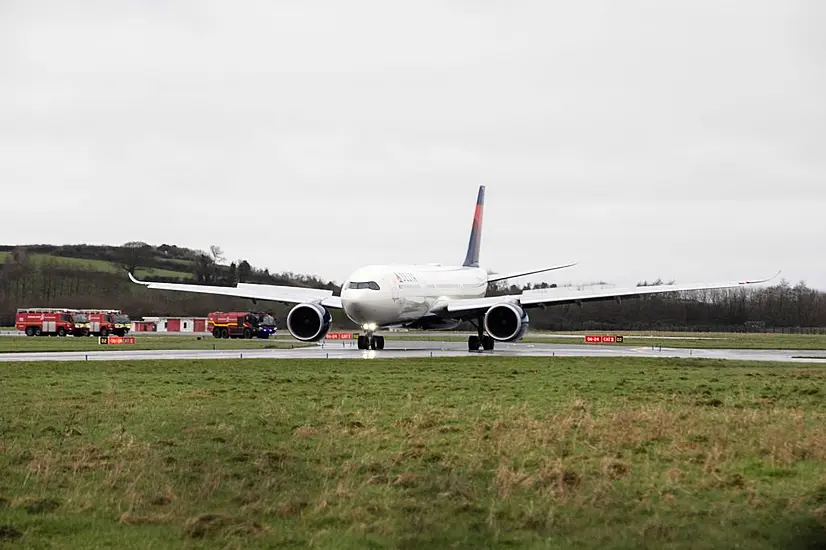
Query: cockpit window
point(372, 285)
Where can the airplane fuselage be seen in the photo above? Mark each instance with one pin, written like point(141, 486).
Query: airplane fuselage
point(384, 295)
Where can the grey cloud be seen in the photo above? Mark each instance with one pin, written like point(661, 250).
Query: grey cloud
point(647, 139)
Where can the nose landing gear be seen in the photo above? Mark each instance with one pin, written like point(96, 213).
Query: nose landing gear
point(370, 341)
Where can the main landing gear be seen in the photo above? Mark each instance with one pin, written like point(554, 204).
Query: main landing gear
point(370, 341)
point(481, 339)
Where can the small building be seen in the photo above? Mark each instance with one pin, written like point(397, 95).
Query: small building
point(143, 326)
point(172, 324)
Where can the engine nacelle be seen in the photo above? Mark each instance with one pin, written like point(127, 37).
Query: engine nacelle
point(309, 322)
point(506, 322)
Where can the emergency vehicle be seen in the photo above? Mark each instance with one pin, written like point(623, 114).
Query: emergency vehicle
point(240, 324)
point(103, 322)
point(51, 322)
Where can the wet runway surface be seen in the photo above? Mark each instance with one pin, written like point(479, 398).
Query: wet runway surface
point(403, 349)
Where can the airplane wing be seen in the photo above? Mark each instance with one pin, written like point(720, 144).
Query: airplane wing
point(501, 277)
point(274, 293)
point(565, 295)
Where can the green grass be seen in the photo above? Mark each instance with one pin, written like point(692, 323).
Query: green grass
point(461, 453)
point(103, 265)
point(711, 340)
point(12, 344)
point(720, 341)
point(727, 340)
point(732, 341)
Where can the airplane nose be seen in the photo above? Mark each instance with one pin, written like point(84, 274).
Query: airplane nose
point(356, 311)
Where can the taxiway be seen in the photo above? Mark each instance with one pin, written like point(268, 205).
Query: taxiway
point(410, 349)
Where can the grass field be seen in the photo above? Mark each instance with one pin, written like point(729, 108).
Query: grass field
point(723, 340)
point(12, 344)
point(731, 341)
point(464, 453)
point(105, 266)
point(726, 340)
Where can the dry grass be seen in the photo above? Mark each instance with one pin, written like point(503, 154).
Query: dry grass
point(477, 452)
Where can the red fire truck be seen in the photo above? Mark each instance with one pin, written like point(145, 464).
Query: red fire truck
point(103, 322)
point(240, 324)
point(51, 322)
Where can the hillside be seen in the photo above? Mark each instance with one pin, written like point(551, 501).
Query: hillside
point(165, 262)
point(43, 275)
point(86, 276)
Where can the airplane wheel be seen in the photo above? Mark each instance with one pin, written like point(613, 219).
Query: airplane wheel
point(362, 343)
point(487, 343)
point(473, 343)
point(379, 342)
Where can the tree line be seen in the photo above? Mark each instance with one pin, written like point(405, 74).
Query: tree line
point(780, 306)
point(52, 283)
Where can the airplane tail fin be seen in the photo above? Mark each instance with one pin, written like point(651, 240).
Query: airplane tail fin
point(472, 257)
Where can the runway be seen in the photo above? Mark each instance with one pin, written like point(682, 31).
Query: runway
point(411, 349)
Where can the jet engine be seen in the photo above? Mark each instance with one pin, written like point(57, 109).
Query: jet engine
point(309, 322)
point(506, 322)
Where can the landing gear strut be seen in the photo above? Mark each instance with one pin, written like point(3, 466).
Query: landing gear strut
point(480, 339)
point(370, 341)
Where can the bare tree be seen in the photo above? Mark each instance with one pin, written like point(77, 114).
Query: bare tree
point(244, 270)
point(217, 254)
point(134, 254)
point(204, 269)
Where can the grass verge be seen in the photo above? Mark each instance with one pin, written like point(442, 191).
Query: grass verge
point(285, 340)
point(710, 340)
point(16, 344)
point(472, 453)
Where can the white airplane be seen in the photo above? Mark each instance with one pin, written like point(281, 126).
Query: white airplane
point(427, 297)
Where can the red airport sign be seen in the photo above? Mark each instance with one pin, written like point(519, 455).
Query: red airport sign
point(116, 340)
point(339, 336)
point(602, 339)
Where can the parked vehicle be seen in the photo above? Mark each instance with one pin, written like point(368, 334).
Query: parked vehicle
point(104, 322)
point(52, 322)
point(240, 324)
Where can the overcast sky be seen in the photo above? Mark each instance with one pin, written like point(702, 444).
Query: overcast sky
point(682, 140)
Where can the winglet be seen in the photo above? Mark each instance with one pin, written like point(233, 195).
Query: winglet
point(475, 241)
point(134, 280)
point(756, 281)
